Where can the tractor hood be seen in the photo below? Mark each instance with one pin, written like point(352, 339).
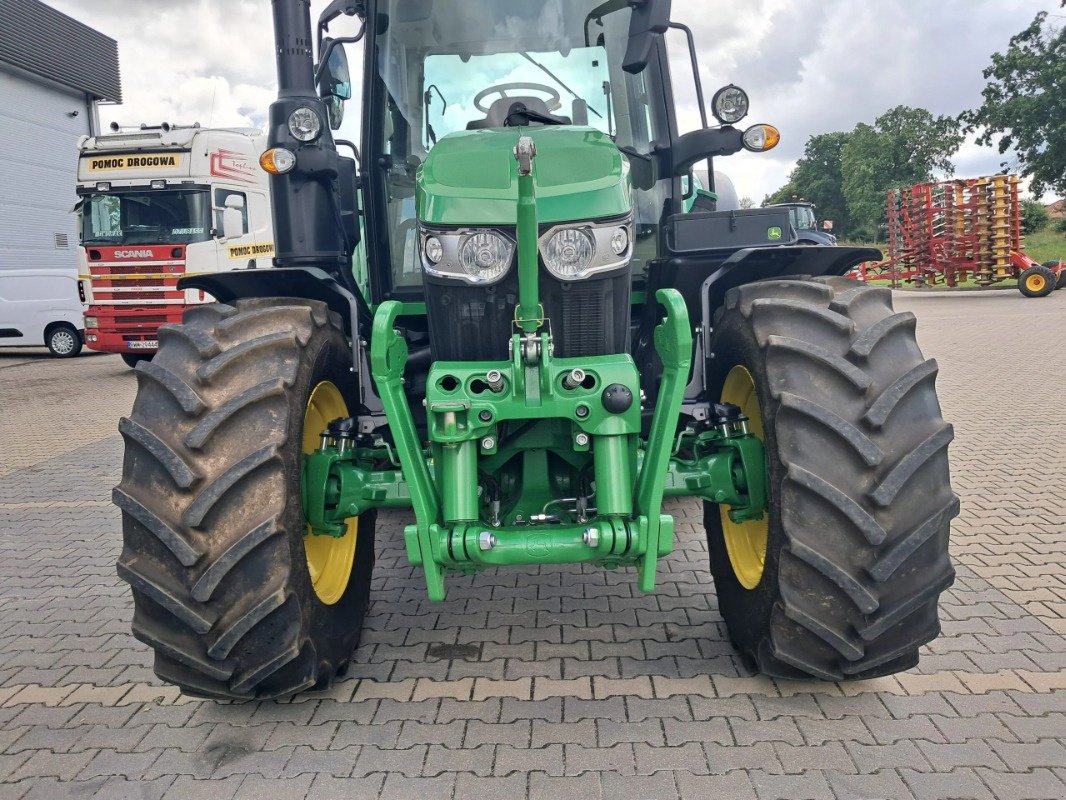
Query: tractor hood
point(471, 177)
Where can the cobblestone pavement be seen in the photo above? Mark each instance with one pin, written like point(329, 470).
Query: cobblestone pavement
point(561, 682)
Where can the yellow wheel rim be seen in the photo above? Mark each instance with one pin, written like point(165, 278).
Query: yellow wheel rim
point(329, 559)
point(1035, 283)
point(746, 541)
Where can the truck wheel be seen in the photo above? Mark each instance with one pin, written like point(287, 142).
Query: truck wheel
point(229, 588)
point(1038, 281)
point(63, 340)
point(841, 577)
point(132, 360)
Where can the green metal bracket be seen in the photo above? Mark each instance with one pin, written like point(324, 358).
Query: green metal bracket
point(673, 342)
point(529, 314)
point(388, 357)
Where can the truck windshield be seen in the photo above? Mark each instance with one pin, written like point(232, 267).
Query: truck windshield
point(150, 217)
point(457, 65)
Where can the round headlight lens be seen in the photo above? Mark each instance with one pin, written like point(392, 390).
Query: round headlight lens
point(434, 250)
point(569, 253)
point(305, 124)
point(485, 256)
point(730, 104)
point(620, 241)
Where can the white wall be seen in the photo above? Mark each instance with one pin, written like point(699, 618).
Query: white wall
point(38, 172)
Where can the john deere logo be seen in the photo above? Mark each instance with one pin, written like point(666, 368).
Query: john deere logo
point(773, 234)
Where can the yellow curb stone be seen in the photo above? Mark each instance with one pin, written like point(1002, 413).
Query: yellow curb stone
point(792, 688)
point(460, 689)
point(160, 695)
point(624, 687)
point(727, 686)
point(107, 696)
point(887, 685)
point(1004, 680)
point(700, 686)
point(576, 687)
point(385, 690)
point(1044, 681)
point(914, 683)
point(33, 694)
point(520, 688)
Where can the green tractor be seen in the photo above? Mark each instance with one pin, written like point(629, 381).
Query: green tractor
point(511, 314)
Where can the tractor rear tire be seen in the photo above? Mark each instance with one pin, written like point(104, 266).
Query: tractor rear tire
point(1038, 281)
point(842, 579)
point(131, 360)
point(213, 525)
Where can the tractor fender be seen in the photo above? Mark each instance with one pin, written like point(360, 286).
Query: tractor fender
point(308, 283)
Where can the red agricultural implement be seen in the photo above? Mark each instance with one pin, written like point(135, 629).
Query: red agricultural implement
point(957, 231)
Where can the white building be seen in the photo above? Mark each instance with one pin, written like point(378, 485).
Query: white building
point(54, 72)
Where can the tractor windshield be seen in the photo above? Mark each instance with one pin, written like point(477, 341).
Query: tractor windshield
point(457, 65)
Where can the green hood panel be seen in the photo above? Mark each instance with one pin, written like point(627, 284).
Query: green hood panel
point(471, 177)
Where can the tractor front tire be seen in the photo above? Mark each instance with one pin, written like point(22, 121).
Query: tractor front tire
point(840, 580)
point(215, 544)
point(1038, 281)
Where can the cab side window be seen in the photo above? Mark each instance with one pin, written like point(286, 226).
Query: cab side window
point(221, 195)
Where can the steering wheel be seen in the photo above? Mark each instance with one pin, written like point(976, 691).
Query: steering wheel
point(554, 102)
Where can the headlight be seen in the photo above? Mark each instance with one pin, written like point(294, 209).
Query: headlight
point(305, 124)
point(485, 256)
point(730, 104)
point(573, 252)
point(569, 252)
point(474, 256)
point(92, 322)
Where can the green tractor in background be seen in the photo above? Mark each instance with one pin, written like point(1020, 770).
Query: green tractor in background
point(511, 314)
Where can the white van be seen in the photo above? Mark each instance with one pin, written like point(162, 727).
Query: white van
point(41, 307)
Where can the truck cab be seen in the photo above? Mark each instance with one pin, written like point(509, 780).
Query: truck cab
point(157, 204)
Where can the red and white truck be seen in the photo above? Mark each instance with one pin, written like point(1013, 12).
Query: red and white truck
point(156, 204)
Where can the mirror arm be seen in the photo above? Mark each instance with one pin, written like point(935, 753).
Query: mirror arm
point(706, 143)
point(323, 60)
point(354, 149)
point(695, 68)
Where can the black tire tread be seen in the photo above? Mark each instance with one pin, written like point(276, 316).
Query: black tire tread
point(861, 601)
point(206, 550)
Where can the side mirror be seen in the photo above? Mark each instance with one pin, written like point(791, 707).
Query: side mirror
point(233, 217)
point(335, 82)
point(650, 18)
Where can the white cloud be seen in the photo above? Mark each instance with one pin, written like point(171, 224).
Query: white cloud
point(809, 67)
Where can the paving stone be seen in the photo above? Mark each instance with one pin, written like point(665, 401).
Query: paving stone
point(580, 787)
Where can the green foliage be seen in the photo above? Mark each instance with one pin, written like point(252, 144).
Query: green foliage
point(903, 147)
point(1025, 104)
point(1035, 216)
point(848, 174)
point(1060, 225)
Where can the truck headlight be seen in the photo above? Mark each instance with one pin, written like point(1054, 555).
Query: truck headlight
point(475, 256)
point(92, 322)
point(574, 252)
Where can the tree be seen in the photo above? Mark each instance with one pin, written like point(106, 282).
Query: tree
point(819, 179)
point(747, 202)
point(904, 146)
point(1025, 105)
point(1035, 216)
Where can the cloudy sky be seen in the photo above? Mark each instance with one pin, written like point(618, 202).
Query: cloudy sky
point(810, 67)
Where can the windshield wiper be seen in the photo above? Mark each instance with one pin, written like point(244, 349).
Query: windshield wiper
point(519, 110)
point(558, 80)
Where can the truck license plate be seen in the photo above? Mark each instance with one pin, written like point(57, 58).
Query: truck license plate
point(147, 344)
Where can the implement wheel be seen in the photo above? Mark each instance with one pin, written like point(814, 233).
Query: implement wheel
point(841, 577)
point(1038, 281)
point(229, 588)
